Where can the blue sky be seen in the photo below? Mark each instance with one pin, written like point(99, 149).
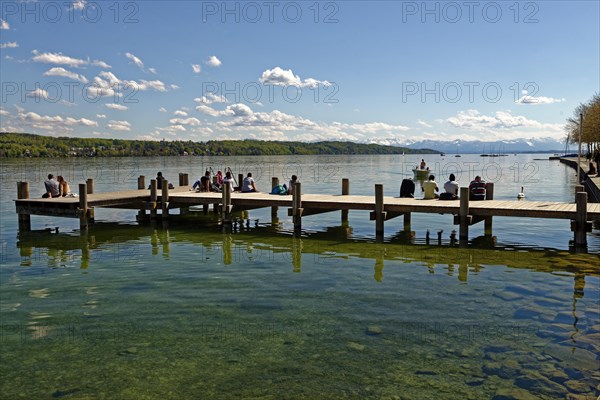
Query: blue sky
point(384, 71)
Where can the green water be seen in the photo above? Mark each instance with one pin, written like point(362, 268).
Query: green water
point(192, 312)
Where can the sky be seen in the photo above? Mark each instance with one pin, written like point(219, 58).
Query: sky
point(367, 71)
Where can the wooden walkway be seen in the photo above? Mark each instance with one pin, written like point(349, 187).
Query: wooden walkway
point(302, 205)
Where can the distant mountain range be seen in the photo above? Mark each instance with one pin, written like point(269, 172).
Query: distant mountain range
point(543, 145)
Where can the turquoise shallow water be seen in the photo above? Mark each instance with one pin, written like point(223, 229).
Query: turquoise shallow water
point(132, 312)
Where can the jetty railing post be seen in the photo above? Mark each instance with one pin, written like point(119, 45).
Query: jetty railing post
point(487, 222)
point(226, 204)
point(141, 182)
point(297, 206)
point(153, 198)
point(89, 184)
point(164, 200)
point(23, 194)
point(579, 188)
point(183, 179)
point(83, 206)
point(581, 220)
point(345, 192)
point(240, 181)
point(274, 209)
point(379, 213)
point(463, 233)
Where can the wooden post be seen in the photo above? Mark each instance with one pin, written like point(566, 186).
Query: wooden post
point(345, 192)
point(22, 194)
point(274, 210)
point(153, 197)
point(579, 188)
point(581, 220)
point(141, 182)
point(180, 179)
point(83, 206)
point(487, 222)
point(226, 204)
point(240, 180)
point(164, 200)
point(379, 213)
point(463, 213)
point(297, 206)
point(89, 183)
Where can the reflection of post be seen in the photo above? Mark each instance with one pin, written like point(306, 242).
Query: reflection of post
point(22, 194)
point(297, 253)
point(153, 197)
point(487, 222)
point(297, 206)
point(165, 245)
point(463, 272)
point(463, 213)
point(345, 192)
point(379, 266)
point(227, 247)
point(226, 204)
point(85, 251)
point(154, 242)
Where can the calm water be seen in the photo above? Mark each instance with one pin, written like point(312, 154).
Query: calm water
point(128, 311)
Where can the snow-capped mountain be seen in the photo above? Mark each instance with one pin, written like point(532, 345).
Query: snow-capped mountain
point(480, 147)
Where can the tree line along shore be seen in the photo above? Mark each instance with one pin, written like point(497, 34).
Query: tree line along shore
point(20, 145)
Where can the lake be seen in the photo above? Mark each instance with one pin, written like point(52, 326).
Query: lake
point(127, 311)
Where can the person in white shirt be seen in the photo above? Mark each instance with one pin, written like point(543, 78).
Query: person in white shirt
point(248, 184)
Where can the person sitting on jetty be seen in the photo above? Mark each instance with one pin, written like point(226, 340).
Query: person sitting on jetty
point(477, 189)
point(430, 188)
point(291, 184)
point(63, 186)
point(52, 187)
point(228, 180)
point(407, 188)
point(248, 185)
point(205, 182)
point(451, 189)
point(219, 177)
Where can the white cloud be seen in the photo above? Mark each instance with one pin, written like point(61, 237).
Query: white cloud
point(213, 61)
point(423, 123)
point(9, 45)
point(162, 109)
point(55, 123)
point(526, 99)
point(145, 85)
point(172, 129)
point(61, 59)
point(3, 111)
point(38, 93)
point(174, 87)
point(107, 84)
point(4, 25)
point(152, 71)
point(188, 121)
point(114, 106)
point(59, 71)
point(119, 125)
point(211, 98)
point(135, 60)
point(181, 113)
point(280, 77)
point(79, 4)
point(196, 68)
point(100, 116)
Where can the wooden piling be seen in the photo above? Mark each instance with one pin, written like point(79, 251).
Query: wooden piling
point(226, 204)
point(463, 214)
point(89, 184)
point(581, 220)
point(345, 192)
point(22, 194)
point(487, 221)
point(379, 213)
point(164, 201)
point(83, 206)
point(274, 210)
point(297, 206)
point(141, 182)
point(183, 179)
point(240, 180)
point(579, 188)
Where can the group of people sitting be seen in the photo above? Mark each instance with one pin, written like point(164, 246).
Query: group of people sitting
point(56, 187)
point(216, 184)
point(477, 189)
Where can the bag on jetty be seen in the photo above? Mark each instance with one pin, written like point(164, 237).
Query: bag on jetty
point(279, 189)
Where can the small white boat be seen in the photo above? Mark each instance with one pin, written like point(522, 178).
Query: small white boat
point(421, 174)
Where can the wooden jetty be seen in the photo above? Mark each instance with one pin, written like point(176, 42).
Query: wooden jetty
point(301, 205)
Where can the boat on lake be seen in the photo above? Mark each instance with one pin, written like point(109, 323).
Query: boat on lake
point(421, 174)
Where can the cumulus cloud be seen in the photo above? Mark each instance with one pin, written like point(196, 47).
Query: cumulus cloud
point(280, 77)
point(61, 59)
point(196, 68)
point(107, 84)
point(38, 93)
point(211, 98)
point(79, 4)
point(100, 116)
point(60, 71)
point(135, 60)
point(526, 99)
point(9, 45)
point(181, 113)
point(213, 61)
point(188, 121)
point(56, 123)
point(4, 25)
point(423, 123)
point(114, 106)
point(162, 109)
point(152, 71)
point(119, 125)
